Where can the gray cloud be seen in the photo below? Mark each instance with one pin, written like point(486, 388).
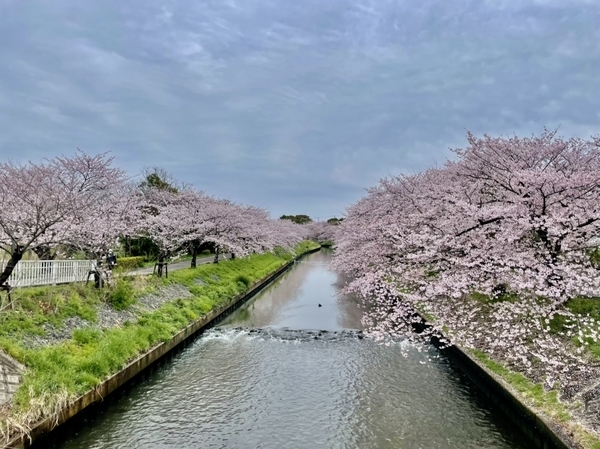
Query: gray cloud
point(298, 106)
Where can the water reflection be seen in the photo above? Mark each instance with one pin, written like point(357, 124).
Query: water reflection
point(293, 301)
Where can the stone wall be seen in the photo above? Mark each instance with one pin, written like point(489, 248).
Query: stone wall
point(10, 377)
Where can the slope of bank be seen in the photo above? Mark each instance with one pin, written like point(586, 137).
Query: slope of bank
point(561, 415)
point(71, 338)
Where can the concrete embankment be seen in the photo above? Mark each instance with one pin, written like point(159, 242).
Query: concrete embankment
point(143, 361)
point(543, 433)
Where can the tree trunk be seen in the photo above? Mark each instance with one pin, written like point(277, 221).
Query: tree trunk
point(15, 257)
point(161, 261)
point(98, 283)
point(232, 255)
point(194, 254)
point(127, 245)
point(216, 254)
point(9, 300)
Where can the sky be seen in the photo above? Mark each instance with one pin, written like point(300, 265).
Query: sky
point(295, 106)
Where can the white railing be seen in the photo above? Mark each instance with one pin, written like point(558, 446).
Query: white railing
point(47, 272)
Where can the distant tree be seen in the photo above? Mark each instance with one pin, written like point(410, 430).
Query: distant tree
point(159, 178)
point(188, 220)
point(155, 179)
point(335, 220)
point(298, 219)
point(322, 232)
point(163, 219)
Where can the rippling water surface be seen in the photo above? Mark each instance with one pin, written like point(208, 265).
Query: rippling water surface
point(271, 377)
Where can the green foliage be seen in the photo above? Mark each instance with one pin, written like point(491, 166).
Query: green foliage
point(547, 401)
point(595, 257)
point(558, 324)
point(122, 296)
point(244, 280)
point(129, 263)
point(305, 246)
point(335, 220)
point(299, 219)
point(141, 246)
point(500, 295)
point(158, 179)
point(49, 305)
point(86, 335)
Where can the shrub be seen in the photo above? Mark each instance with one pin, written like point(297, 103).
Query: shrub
point(122, 296)
point(129, 263)
point(243, 279)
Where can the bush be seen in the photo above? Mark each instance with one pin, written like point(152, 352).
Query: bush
point(243, 279)
point(122, 296)
point(129, 263)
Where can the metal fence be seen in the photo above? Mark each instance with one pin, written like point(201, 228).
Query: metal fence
point(47, 272)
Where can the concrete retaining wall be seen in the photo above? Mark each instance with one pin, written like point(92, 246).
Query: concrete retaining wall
point(144, 361)
point(543, 434)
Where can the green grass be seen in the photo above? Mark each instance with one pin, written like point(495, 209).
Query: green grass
point(51, 305)
point(306, 245)
point(582, 308)
point(501, 295)
point(66, 370)
point(534, 395)
point(122, 296)
point(585, 306)
point(547, 401)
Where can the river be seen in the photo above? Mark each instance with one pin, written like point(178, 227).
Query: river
point(269, 377)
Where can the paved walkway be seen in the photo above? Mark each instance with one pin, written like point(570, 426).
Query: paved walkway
point(179, 265)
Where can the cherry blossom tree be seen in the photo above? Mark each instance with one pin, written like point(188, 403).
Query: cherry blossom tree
point(184, 220)
point(164, 219)
point(42, 203)
point(287, 234)
point(100, 227)
point(246, 229)
point(510, 220)
point(322, 231)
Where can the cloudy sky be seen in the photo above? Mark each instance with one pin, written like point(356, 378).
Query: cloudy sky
point(295, 106)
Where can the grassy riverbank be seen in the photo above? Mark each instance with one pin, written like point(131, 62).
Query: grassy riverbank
point(545, 404)
point(564, 406)
point(93, 333)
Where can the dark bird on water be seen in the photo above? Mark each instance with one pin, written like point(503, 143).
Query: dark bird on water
point(320, 305)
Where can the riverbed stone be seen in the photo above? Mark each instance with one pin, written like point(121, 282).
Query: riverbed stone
point(10, 377)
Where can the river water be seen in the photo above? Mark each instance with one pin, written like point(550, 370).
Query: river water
point(269, 377)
